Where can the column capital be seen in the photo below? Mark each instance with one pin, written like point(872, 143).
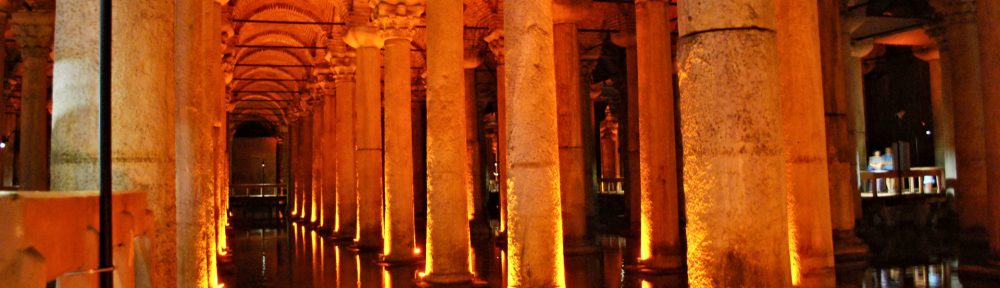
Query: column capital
point(936, 31)
point(860, 49)
point(396, 19)
point(342, 66)
point(364, 36)
point(494, 41)
point(956, 11)
point(927, 54)
point(33, 32)
point(572, 11)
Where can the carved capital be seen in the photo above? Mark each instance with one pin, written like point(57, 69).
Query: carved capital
point(396, 19)
point(494, 40)
point(342, 66)
point(33, 32)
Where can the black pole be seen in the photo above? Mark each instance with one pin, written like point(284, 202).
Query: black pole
point(104, 135)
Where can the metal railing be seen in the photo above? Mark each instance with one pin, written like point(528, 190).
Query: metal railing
point(257, 190)
point(612, 186)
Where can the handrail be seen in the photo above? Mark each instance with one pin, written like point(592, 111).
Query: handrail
point(89, 271)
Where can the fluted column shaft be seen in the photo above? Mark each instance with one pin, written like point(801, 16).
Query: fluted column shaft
point(534, 228)
point(733, 162)
point(801, 89)
point(988, 15)
point(660, 246)
point(33, 32)
point(447, 188)
point(347, 196)
point(368, 140)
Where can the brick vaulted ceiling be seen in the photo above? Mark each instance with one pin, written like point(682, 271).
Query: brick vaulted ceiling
point(275, 51)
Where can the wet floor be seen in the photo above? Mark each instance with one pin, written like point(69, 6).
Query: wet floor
point(294, 256)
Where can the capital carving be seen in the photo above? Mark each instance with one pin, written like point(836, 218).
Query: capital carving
point(342, 66)
point(364, 36)
point(33, 32)
point(494, 41)
point(396, 19)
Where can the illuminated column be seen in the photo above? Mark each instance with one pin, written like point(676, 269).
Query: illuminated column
point(989, 39)
point(660, 247)
point(347, 196)
point(631, 180)
point(296, 164)
point(854, 92)
point(803, 126)
point(447, 217)
point(941, 110)
point(495, 40)
point(308, 203)
point(534, 231)
point(330, 157)
point(474, 175)
point(368, 134)
point(144, 113)
point(962, 35)
point(396, 20)
point(33, 32)
point(842, 125)
point(195, 142)
point(315, 218)
point(572, 182)
point(733, 164)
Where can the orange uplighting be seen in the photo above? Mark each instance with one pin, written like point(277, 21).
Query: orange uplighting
point(416, 251)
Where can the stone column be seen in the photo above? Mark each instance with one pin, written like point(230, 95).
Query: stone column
point(330, 157)
point(988, 15)
point(396, 20)
point(295, 153)
point(368, 135)
point(33, 32)
point(840, 122)
point(306, 164)
point(572, 163)
point(316, 149)
point(803, 126)
point(534, 234)
point(195, 142)
point(347, 196)
point(495, 40)
point(631, 179)
point(142, 116)
point(660, 246)
point(5, 153)
point(941, 110)
point(474, 174)
point(733, 164)
point(447, 185)
point(962, 35)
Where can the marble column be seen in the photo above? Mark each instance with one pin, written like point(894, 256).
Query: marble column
point(316, 149)
point(631, 180)
point(195, 142)
point(308, 183)
point(534, 228)
point(734, 190)
point(474, 174)
point(572, 162)
point(841, 125)
point(330, 158)
point(447, 186)
point(5, 153)
point(33, 33)
point(803, 126)
point(941, 110)
point(660, 245)
point(142, 117)
point(495, 40)
point(396, 20)
point(295, 153)
point(347, 196)
point(368, 135)
point(988, 15)
point(962, 35)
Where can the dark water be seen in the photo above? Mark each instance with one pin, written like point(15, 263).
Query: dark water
point(294, 256)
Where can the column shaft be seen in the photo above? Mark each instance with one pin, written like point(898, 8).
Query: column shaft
point(398, 152)
point(308, 203)
point(659, 229)
point(474, 160)
point(988, 15)
point(368, 143)
point(943, 118)
point(806, 182)
point(534, 234)
point(347, 196)
point(34, 35)
point(447, 169)
point(570, 121)
point(316, 149)
point(330, 157)
point(733, 164)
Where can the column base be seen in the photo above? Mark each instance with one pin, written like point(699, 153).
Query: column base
point(848, 248)
point(447, 280)
point(399, 260)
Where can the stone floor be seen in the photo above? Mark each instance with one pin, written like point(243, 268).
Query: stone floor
point(289, 255)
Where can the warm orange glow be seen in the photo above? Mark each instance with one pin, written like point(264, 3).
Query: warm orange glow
point(223, 253)
point(646, 284)
point(416, 251)
point(421, 274)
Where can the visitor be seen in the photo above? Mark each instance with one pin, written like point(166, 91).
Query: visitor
point(887, 165)
point(875, 162)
